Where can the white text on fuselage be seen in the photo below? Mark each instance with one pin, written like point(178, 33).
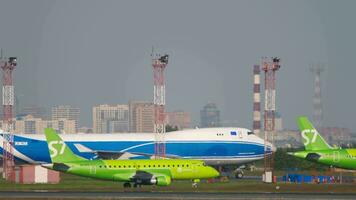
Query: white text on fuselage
point(21, 143)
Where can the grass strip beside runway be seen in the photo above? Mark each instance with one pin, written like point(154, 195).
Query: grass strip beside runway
point(79, 184)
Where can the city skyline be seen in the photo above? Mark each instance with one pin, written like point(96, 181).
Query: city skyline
point(42, 113)
point(67, 58)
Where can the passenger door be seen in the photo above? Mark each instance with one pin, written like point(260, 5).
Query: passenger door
point(194, 168)
point(92, 169)
point(240, 133)
point(336, 156)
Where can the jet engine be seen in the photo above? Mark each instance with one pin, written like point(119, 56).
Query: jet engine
point(161, 180)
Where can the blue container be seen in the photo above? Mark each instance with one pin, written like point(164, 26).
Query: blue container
point(308, 179)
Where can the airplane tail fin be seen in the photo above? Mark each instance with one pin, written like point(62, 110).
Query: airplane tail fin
point(58, 150)
point(311, 138)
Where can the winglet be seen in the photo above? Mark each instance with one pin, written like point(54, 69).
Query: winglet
point(311, 138)
point(58, 150)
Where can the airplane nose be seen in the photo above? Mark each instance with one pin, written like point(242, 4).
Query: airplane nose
point(215, 172)
point(271, 148)
point(274, 149)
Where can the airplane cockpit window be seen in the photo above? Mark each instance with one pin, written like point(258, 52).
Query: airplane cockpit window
point(250, 133)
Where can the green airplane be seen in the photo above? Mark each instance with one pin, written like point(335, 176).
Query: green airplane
point(139, 172)
point(317, 150)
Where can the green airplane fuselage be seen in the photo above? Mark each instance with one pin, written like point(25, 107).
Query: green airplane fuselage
point(140, 172)
point(319, 151)
point(341, 158)
point(159, 172)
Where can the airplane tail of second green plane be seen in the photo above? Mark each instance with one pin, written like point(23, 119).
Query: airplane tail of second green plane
point(58, 150)
point(311, 138)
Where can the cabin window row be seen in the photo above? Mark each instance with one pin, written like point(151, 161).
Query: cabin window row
point(139, 166)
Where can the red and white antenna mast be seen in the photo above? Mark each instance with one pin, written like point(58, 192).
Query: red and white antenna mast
point(256, 99)
point(159, 64)
point(8, 103)
point(270, 68)
point(317, 69)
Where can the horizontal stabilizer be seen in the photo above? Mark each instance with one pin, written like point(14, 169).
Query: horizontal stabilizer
point(313, 157)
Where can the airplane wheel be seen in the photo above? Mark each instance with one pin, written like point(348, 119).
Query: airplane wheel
point(239, 175)
point(127, 185)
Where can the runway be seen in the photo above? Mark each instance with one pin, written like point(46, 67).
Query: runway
point(166, 195)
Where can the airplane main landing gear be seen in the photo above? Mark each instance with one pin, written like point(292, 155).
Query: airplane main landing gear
point(239, 173)
point(127, 185)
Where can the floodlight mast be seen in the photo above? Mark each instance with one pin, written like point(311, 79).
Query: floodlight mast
point(270, 67)
point(159, 64)
point(8, 67)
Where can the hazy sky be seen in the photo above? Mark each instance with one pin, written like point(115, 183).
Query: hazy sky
point(85, 52)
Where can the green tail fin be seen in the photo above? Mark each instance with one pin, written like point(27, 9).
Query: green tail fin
point(58, 150)
point(311, 138)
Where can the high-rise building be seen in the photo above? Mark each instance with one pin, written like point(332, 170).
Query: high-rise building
point(27, 125)
point(210, 116)
point(141, 116)
point(31, 125)
point(179, 119)
point(111, 118)
point(66, 112)
point(35, 111)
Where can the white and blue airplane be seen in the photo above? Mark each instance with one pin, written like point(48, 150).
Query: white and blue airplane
point(215, 146)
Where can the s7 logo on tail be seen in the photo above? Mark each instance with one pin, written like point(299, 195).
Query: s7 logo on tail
point(306, 138)
point(53, 150)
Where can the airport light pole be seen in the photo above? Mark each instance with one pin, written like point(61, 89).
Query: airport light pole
point(159, 64)
point(270, 68)
point(8, 103)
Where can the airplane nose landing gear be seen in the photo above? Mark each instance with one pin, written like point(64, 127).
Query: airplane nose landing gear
point(127, 185)
point(195, 183)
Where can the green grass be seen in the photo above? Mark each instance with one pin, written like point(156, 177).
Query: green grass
point(74, 183)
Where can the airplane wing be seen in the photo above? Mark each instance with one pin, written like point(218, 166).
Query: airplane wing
point(123, 176)
point(118, 155)
point(150, 177)
point(161, 177)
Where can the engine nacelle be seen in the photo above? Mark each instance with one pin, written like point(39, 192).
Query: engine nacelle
point(153, 181)
point(161, 180)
